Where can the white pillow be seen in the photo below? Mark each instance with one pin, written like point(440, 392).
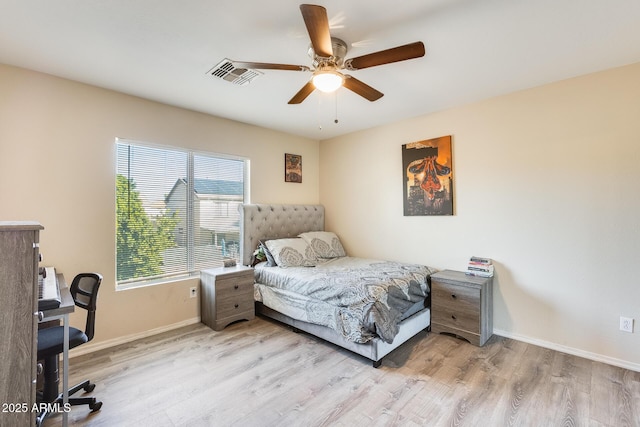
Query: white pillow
point(294, 252)
point(324, 243)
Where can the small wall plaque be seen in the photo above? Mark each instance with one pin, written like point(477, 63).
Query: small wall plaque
point(292, 168)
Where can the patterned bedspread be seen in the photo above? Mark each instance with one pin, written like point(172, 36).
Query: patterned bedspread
point(359, 298)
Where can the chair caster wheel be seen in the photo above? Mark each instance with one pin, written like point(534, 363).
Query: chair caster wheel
point(95, 406)
point(89, 387)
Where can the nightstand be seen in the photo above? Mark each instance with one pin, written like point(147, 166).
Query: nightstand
point(226, 295)
point(462, 305)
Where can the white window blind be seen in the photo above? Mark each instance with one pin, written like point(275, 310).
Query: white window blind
point(177, 212)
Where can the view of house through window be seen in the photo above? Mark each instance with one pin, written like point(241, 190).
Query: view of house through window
point(177, 212)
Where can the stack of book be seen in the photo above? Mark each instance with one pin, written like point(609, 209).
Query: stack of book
point(479, 266)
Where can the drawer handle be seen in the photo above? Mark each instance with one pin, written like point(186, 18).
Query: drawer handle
point(453, 317)
point(236, 306)
point(453, 296)
point(236, 287)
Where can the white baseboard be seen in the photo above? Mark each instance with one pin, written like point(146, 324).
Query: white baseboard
point(90, 348)
point(570, 350)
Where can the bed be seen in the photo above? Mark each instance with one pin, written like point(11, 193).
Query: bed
point(366, 316)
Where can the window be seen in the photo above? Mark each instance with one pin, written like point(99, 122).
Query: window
point(177, 212)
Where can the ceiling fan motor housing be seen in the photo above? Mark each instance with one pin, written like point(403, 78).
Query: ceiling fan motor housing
point(337, 59)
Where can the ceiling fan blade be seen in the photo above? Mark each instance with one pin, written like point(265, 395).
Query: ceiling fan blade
point(315, 18)
point(303, 93)
point(362, 89)
point(267, 66)
point(400, 53)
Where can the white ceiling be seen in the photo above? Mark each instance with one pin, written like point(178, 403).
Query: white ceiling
point(162, 49)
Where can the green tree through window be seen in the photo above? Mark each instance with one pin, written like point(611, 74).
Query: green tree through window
point(141, 240)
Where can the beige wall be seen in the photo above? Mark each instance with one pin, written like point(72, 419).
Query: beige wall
point(546, 183)
point(57, 166)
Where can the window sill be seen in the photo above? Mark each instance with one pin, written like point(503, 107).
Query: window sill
point(156, 282)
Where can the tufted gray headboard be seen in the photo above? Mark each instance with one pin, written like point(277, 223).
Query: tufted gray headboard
point(260, 221)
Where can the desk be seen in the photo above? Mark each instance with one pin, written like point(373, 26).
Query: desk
point(67, 306)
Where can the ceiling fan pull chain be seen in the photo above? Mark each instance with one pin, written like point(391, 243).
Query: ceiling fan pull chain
point(335, 94)
point(318, 111)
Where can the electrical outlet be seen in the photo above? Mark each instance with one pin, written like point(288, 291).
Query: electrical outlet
point(626, 324)
point(193, 292)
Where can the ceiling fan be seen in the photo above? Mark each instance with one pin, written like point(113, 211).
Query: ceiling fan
point(328, 59)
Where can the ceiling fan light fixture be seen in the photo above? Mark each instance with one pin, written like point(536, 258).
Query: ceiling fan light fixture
point(327, 81)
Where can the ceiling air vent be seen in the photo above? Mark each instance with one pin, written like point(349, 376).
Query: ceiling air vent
point(225, 70)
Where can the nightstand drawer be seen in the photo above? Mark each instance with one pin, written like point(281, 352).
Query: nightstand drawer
point(456, 306)
point(234, 305)
point(234, 286)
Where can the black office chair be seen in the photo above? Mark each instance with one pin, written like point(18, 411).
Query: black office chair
point(84, 290)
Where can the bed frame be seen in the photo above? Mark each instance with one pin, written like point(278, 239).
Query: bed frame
point(263, 221)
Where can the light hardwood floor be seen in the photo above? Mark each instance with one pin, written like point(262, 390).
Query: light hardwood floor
point(260, 373)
